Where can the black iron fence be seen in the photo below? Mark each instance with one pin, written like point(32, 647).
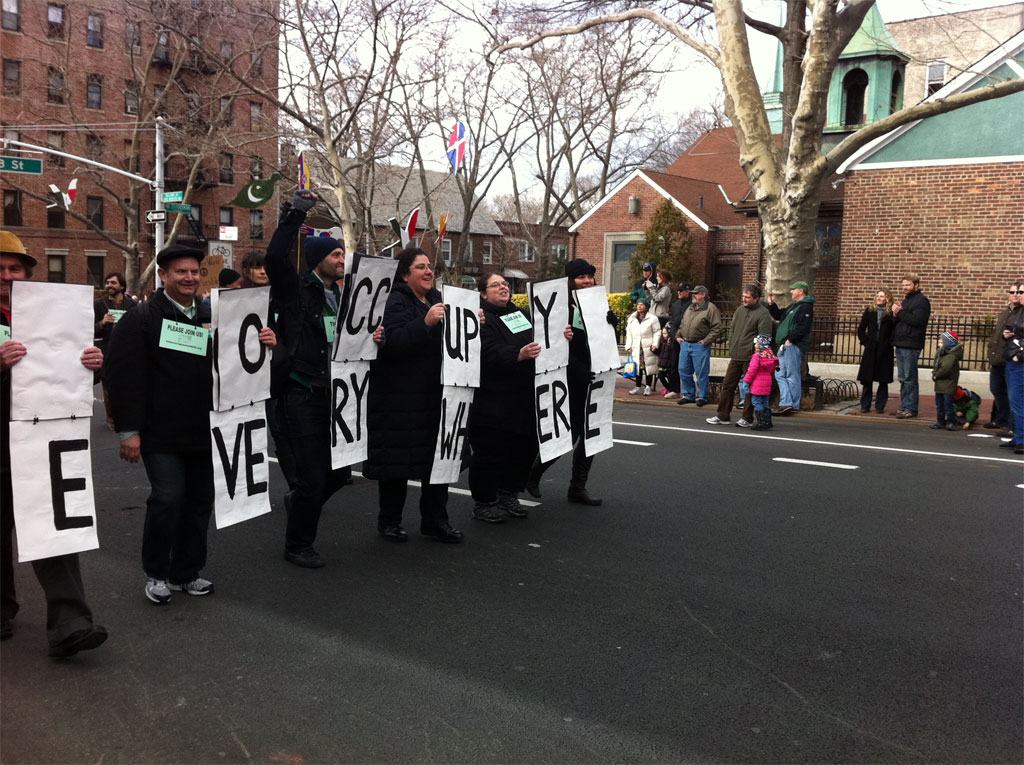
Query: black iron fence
point(835, 340)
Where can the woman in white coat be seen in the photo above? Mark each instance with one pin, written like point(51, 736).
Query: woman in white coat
point(643, 336)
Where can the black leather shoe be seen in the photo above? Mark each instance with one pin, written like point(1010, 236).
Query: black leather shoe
point(950, 426)
point(935, 426)
point(442, 533)
point(83, 640)
point(1007, 445)
point(308, 558)
point(682, 401)
point(702, 402)
point(583, 497)
point(393, 533)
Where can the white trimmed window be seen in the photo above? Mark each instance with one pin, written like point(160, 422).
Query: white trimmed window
point(486, 253)
point(446, 251)
point(936, 76)
point(526, 251)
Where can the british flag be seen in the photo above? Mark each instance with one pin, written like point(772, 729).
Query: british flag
point(457, 146)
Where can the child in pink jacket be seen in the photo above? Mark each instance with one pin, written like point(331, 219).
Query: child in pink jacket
point(759, 377)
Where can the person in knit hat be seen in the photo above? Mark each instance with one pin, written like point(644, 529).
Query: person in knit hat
point(946, 374)
point(966, 403)
point(763, 365)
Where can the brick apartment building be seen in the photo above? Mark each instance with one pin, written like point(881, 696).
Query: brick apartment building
point(89, 78)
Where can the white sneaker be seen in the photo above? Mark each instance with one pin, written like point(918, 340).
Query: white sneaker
point(741, 423)
point(197, 586)
point(670, 394)
point(158, 591)
point(715, 421)
point(635, 390)
point(647, 390)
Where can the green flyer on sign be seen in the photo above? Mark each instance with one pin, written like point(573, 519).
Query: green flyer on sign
point(5, 333)
point(516, 322)
point(187, 338)
point(330, 325)
point(577, 319)
point(116, 313)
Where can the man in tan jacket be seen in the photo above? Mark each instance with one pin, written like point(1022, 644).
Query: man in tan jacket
point(700, 327)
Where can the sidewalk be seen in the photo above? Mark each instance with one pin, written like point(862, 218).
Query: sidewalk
point(842, 409)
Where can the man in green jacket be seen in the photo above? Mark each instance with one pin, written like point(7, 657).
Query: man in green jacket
point(750, 320)
point(794, 338)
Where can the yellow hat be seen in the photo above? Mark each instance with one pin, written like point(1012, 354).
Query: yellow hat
point(11, 245)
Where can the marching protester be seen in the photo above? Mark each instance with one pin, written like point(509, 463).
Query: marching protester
point(308, 308)
point(254, 270)
point(69, 625)
point(1014, 355)
point(162, 397)
point(404, 404)
point(750, 319)
point(794, 338)
point(875, 334)
point(946, 374)
point(762, 365)
point(503, 427)
point(1001, 414)
point(659, 297)
point(700, 327)
point(910, 318)
point(106, 310)
point(581, 275)
point(643, 336)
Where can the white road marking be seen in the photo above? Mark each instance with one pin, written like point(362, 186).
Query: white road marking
point(979, 435)
point(819, 464)
point(632, 443)
point(452, 489)
point(872, 447)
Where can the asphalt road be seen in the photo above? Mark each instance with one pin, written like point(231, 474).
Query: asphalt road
point(721, 606)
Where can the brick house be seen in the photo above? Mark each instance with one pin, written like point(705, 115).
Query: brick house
point(517, 256)
point(85, 79)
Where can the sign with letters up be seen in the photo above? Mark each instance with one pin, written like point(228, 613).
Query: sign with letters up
point(549, 306)
point(452, 435)
point(367, 289)
point(461, 359)
point(350, 382)
point(604, 348)
point(241, 372)
point(241, 473)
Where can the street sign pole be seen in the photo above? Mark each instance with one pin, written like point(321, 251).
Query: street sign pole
point(158, 192)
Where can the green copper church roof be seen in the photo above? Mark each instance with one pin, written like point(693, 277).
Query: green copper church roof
point(873, 39)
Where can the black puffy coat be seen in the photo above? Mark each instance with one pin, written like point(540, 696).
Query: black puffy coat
point(876, 337)
point(164, 394)
point(504, 400)
point(912, 321)
point(404, 402)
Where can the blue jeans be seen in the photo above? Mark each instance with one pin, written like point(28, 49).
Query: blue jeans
point(880, 400)
point(1015, 386)
point(906, 373)
point(789, 376)
point(694, 359)
point(945, 414)
point(177, 514)
point(308, 416)
point(760, 403)
point(1001, 412)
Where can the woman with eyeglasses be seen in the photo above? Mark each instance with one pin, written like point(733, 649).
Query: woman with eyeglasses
point(404, 402)
point(502, 428)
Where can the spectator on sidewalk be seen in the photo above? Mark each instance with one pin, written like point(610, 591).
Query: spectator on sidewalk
point(875, 334)
point(1001, 414)
point(1014, 335)
point(679, 306)
point(701, 326)
point(794, 338)
point(647, 281)
point(659, 297)
point(946, 374)
point(763, 364)
point(966, 404)
point(643, 336)
point(910, 317)
point(750, 320)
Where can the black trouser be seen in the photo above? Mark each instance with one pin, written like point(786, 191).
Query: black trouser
point(60, 577)
point(433, 503)
point(307, 412)
point(177, 514)
point(733, 374)
point(501, 460)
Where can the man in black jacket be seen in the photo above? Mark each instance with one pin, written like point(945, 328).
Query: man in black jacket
point(107, 310)
point(911, 320)
point(159, 368)
point(309, 308)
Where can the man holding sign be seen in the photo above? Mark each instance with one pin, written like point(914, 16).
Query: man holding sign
point(69, 624)
point(160, 370)
point(108, 309)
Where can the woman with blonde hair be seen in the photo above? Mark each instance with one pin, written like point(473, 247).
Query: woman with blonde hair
point(875, 334)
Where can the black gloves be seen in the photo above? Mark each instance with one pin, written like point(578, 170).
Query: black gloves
point(303, 200)
point(613, 318)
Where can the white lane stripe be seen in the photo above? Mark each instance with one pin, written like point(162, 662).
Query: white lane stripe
point(872, 447)
point(632, 443)
point(819, 464)
point(452, 489)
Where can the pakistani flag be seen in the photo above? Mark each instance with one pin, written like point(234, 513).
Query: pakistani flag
point(256, 193)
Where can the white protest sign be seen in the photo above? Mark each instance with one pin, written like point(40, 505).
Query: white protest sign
point(241, 471)
point(368, 289)
point(241, 373)
point(350, 384)
point(604, 347)
point(452, 433)
point(597, 417)
point(549, 306)
point(551, 405)
point(461, 354)
point(55, 516)
point(55, 324)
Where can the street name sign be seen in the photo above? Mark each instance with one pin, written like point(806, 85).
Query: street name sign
point(174, 196)
point(21, 165)
point(178, 208)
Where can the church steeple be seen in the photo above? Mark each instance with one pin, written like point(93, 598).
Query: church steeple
point(773, 98)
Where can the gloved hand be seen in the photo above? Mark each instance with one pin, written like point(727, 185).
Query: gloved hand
point(303, 200)
point(612, 317)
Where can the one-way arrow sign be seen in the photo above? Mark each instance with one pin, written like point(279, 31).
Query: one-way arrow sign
point(156, 216)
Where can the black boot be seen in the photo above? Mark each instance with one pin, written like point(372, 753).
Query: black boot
point(763, 423)
point(768, 419)
point(578, 483)
point(533, 479)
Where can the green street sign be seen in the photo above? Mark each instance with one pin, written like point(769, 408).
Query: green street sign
point(174, 196)
point(178, 208)
point(19, 165)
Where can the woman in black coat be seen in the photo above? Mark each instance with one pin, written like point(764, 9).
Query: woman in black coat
point(875, 334)
point(404, 403)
